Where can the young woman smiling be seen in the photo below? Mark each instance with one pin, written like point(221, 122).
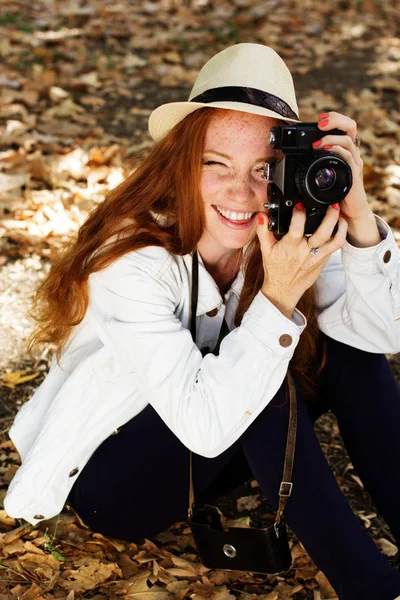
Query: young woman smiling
point(129, 392)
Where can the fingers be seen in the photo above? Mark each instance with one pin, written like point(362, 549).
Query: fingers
point(334, 242)
point(338, 239)
point(295, 233)
point(266, 237)
point(324, 232)
point(328, 140)
point(289, 266)
point(336, 120)
point(322, 236)
point(344, 146)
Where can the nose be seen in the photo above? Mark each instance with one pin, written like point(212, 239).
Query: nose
point(241, 188)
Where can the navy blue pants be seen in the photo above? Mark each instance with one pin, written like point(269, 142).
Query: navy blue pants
point(136, 483)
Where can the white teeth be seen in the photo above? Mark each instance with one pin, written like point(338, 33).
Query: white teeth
point(234, 216)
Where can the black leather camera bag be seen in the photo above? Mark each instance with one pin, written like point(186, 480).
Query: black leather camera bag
point(258, 550)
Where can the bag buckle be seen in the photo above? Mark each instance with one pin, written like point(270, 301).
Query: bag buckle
point(285, 488)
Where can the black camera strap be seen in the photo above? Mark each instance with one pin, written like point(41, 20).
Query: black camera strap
point(286, 485)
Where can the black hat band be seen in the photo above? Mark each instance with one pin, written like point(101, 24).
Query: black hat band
point(248, 96)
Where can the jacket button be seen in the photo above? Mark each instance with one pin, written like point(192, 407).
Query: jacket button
point(73, 472)
point(212, 313)
point(285, 340)
point(387, 256)
point(38, 516)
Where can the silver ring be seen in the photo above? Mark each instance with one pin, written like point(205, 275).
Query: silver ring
point(357, 141)
point(313, 250)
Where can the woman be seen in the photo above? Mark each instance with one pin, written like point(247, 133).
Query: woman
point(117, 305)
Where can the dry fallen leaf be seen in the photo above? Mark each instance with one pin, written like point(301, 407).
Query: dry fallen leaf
point(183, 573)
point(140, 590)
point(358, 480)
point(16, 547)
point(33, 592)
point(223, 594)
point(271, 596)
point(181, 562)
point(43, 567)
point(386, 547)
point(325, 587)
point(90, 575)
point(366, 518)
point(248, 502)
point(177, 586)
point(5, 519)
point(10, 380)
point(10, 182)
point(118, 544)
point(241, 522)
point(15, 534)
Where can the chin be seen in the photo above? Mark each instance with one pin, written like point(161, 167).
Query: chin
point(237, 242)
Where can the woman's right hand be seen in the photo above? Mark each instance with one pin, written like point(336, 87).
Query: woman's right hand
point(289, 268)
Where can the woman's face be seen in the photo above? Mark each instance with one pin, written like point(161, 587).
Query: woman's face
point(235, 152)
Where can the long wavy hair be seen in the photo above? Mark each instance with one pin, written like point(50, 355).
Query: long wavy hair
point(159, 204)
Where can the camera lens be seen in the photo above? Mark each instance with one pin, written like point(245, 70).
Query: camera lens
point(325, 178)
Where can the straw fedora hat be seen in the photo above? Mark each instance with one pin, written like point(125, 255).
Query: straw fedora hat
point(249, 78)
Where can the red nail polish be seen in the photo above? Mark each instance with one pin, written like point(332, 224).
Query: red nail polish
point(323, 123)
point(328, 147)
point(335, 206)
point(317, 143)
point(299, 206)
point(323, 116)
point(260, 219)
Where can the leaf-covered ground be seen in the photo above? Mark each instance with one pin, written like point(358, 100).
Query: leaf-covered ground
point(78, 80)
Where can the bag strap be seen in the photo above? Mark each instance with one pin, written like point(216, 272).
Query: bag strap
point(285, 489)
point(286, 486)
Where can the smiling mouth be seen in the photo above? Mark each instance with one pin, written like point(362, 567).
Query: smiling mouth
point(234, 216)
point(234, 222)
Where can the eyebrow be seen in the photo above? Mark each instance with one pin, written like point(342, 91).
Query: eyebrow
point(263, 158)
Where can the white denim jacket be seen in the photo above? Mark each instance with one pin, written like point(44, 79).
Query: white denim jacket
point(134, 347)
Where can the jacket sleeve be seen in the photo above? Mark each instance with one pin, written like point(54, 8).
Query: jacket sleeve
point(207, 402)
point(358, 295)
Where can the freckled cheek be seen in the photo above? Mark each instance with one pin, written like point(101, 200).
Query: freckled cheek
point(261, 187)
point(211, 184)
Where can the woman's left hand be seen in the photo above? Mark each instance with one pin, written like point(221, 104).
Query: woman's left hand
point(355, 206)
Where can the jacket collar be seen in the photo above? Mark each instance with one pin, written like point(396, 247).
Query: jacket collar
point(209, 294)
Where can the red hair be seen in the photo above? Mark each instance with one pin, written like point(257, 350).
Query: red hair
point(159, 204)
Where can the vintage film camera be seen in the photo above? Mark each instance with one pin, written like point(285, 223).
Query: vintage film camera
point(317, 179)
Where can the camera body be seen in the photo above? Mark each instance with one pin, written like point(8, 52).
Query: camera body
point(316, 179)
